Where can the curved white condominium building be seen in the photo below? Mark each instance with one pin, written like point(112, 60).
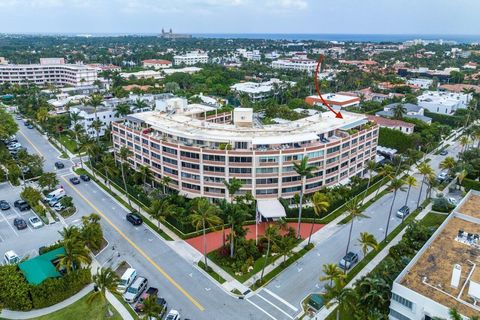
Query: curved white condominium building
point(199, 149)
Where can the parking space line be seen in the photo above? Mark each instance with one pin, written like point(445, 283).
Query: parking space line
point(275, 306)
point(20, 216)
point(6, 220)
point(259, 308)
point(134, 245)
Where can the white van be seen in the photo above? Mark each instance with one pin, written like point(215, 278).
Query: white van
point(126, 280)
point(54, 194)
point(11, 257)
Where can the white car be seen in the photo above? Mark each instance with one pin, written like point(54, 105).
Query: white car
point(11, 257)
point(173, 315)
point(14, 146)
point(59, 206)
point(452, 201)
point(35, 222)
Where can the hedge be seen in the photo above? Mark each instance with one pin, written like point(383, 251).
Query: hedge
point(396, 139)
point(471, 184)
point(54, 290)
point(452, 121)
point(14, 289)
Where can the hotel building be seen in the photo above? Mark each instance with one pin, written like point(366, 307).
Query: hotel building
point(199, 149)
point(445, 273)
point(41, 74)
point(191, 58)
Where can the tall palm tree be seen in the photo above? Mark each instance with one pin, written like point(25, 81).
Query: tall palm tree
point(70, 233)
point(462, 175)
point(124, 153)
point(146, 174)
point(354, 211)
point(96, 100)
point(371, 166)
point(367, 241)
point(395, 185)
point(304, 170)
point(122, 109)
point(165, 182)
point(232, 185)
point(105, 279)
point(386, 172)
point(425, 170)
point(160, 209)
point(139, 104)
point(333, 294)
point(77, 131)
point(464, 141)
point(151, 308)
point(97, 126)
point(236, 215)
point(75, 117)
point(332, 272)
point(410, 181)
point(271, 232)
point(204, 214)
point(448, 164)
point(399, 111)
point(75, 255)
point(108, 166)
point(88, 146)
point(320, 204)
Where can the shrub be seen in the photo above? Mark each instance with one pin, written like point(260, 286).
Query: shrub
point(40, 210)
point(398, 140)
point(54, 290)
point(14, 289)
point(31, 195)
point(442, 205)
point(470, 184)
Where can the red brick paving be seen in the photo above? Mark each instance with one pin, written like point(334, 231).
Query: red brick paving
point(215, 239)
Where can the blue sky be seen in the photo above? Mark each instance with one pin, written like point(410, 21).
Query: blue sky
point(242, 16)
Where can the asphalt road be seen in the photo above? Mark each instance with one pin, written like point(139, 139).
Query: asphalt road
point(183, 286)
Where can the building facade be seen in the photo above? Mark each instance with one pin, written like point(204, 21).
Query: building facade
point(157, 63)
point(296, 64)
point(258, 91)
point(198, 151)
point(443, 102)
point(191, 58)
point(42, 74)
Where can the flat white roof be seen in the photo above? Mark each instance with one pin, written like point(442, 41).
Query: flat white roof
point(271, 208)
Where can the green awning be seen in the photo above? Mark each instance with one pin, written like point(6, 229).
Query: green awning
point(37, 269)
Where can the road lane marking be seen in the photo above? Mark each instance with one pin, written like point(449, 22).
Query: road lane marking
point(274, 305)
point(163, 272)
point(6, 221)
point(280, 299)
point(31, 143)
point(259, 308)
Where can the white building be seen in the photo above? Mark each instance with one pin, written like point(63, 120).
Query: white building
point(296, 64)
point(87, 113)
point(41, 74)
point(145, 74)
point(191, 58)
point(443, 102)
point(61, 101)
point(253, 55)
point(157, 64)
point(335, 100)
point(189, 70)
point(421, 83)
point(258, 91)
point(444, 274)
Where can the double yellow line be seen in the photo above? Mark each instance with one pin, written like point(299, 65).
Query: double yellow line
point(166, 275)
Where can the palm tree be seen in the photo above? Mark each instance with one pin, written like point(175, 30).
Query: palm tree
point(151, 308)
point(333, 294)
point(449, 164)
point(165, 182)
point(75, 117)
point(236, 215)
point(124, 153)
point(425, 170)
point(332, 273)
point(105, 279)
point(285, 246)
point(367, 241)
point(395, 185)
point(464, 141)
point(160, 209)
point(96, 100)
point(146, 174)
point(122, 109)
point(304, 171)
point(462, 175)
point(204, 214)
point(139, 104)
point(354, 211)
point(108, 166)
point(232, 185)
point(371, 166)
point(320, 204)
point(88, 146)
point(271, 232)
point(399, 111)
point(75, 255)
point(97, 126)
point(77, 131)
point(410, 181)
point(70, 233)
point(386, 172)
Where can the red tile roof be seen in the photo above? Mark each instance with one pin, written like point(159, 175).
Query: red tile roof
point(392, 123)
point(157, 61)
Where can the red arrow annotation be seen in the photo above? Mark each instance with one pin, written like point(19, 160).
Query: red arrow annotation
point(315, 79)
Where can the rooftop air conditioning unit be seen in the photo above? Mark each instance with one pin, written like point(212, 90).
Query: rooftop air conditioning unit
point(456, 273)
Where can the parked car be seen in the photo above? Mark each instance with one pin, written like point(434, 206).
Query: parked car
point(173, 315)
point(14, 146)
point(134, 219)
point(59, 165)
point(84, 177)
point(54, 194)
point(19, 223)
point(135, 290)
point(11, 257)
point(75, 180)
point(444, 153)
point(126, 280)
point(54, 201)
point(163, 303)
point(452, 201)
point(30, 126)
point(442, 176)
point(58, 206)
point(150, 292)
point(18, 117)
point(22, 205)
point(348, 260)
point(4, 205)
point(35, 222)
point(403, 212)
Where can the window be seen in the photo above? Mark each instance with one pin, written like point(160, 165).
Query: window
point(292, 189)
point(346, 145)
point(267, 191)
point(211, 157)
point(190, 165)
point(240, 170)
point(213, 179)
point(155, 155)
point(295, 157)
point(240, 159)
point(315, 154)
point(313, 185)
point(169, 150)
point(333, 149)
point(333, 169)
point(291, 179)
point(189, 154)
point(190, 186)
point(155, 145)
point(332, 160)
point(190, 176)
point(171, 171)
point(402, 301)
point(397, 315)
point(168, 160)
point(267, 181)
point(267, 159)
point(214, 169)
point(267, 170)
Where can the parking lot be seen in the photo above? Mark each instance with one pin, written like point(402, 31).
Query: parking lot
point(27, 241)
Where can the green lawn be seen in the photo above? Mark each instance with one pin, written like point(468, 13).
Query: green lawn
point(81, 310)
point(433, 219)
point(70, 144)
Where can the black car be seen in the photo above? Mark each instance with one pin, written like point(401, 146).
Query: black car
point(30, 126)
point(134, 219)
point(19, 223)
point(59, 165)
point(4, 205)
point(22, 205)
point(444, 153)
point(84, 177)
point(75, 180)
point(348, 260)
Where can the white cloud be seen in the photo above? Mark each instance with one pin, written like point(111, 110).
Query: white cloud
point(288, 4)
